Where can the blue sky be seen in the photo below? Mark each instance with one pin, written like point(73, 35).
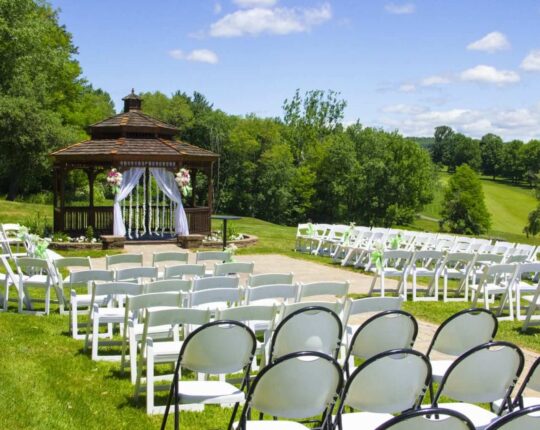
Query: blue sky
point(405, 65)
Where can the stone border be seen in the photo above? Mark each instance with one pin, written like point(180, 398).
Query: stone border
point(74, 246)
point(242, 243)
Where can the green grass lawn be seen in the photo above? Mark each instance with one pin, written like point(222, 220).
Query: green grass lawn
point(509, 206)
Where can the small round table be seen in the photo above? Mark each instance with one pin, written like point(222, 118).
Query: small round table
point(225, 218)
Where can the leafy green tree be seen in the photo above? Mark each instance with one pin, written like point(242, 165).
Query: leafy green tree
point(530, 157)
point(492, 149)
point(460, 150)
point(464, 210)
point(513, 166)
point(533, 226)
point(442, 137)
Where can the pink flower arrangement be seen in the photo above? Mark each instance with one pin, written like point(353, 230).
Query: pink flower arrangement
point(114, 179)
point(183, 179)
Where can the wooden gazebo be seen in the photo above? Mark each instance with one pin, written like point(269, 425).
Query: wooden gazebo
point(130, 139)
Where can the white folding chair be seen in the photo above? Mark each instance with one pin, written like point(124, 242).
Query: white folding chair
point(521, 419)
point(289, 308)
point(35, 273)
point(524, 284)
point(69, 264)
point(297, 386)
point(269, 279)
point(313, 328)
point(159, 259)
point(212, 256)
point(532, 317)
point(110, 312)
point(388, 383)
point(123, 260)
point(457, 266)
point(133, 326)
point(78, 300)
point(260, 319)
point(387, 330)
point(220, 348)
point(11, 279)
point(425, 264)
point(459, 333)
point(497, 280)
point(183, 271)
point(213, 282)
point(274, 294)
point(168, 286)
point(163, 351)
point(429, 419)
point(394, 264)
point(483, 374)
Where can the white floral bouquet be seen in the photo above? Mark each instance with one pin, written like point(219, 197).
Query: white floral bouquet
point(114, 179)
point(183, 179)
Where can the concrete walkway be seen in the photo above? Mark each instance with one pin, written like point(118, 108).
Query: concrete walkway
point(306, 271)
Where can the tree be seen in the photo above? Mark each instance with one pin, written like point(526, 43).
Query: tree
point(492, 151)
point(460, 150)
point(533, 226)
point(464, 210)
point(530, 157)
point(442, 136)
point(513, 167)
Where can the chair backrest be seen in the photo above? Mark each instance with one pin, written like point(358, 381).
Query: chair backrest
point(280, 292)
point(390, 382)
point(429, 419)
point(220, 256)
point(142, 301)
point(497, 274)
point(313, 328)
point(137, 274)
point(520, 419)
point(248, 313)
point(396, 259)
point(269, 279)
point(431, 259)
point(169, 256)
point(289, 308)
point(371, 304)
point(335, 289)
point(175, 316)
point(317, 381)
point(124, 259)
point(117, 289)
point(464, 330)
point(384, 331)
point(213, 282)
point(29, 264)
point(528, 268)
point(94, 275)
point(483, 374)
point(68, 262)
point(168, 285)
point(219, 347)
point(232, 268)
point(231, 296)
point(182, 270)
point(453, 258)
point(488, 259)
point(515, 259)
point(531, 381)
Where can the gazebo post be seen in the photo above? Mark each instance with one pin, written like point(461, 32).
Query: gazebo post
point(91, 173)
point(193, 185)
point(63, 173)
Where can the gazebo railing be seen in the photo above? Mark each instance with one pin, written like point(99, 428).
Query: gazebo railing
point(75, 219)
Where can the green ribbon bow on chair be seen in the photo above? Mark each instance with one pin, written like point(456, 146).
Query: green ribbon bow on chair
point(40, 249)
point(396, 241)
point(310, 229)
point(377, 256)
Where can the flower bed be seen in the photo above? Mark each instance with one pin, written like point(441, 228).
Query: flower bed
point(240, 240)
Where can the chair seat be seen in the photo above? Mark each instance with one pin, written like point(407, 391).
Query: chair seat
point(527, 288)
point(480, 417)
point(86, 299)
point(364, 420)
point(36, 281)
point(527, 401)
point(112, 314)
point(530, 299)
point(425, 272)
point(213, 306)
point(273, 425)
point(439, 368)
point(165, 330)
point(455, 274)
point(209, 392)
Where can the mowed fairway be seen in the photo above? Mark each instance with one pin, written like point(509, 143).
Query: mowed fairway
point(509, 206)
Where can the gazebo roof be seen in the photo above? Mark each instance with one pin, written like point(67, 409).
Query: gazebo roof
point(132, 136)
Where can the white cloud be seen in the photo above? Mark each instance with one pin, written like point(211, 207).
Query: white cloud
point(279, 21)
point(197, 55)
point(404, 109)
point(434, 80)
point(254, 3)
point(407, 88)
point(491, 42)
point(400, 9)
point(531, 63)
point(489, 75)
point(522, 123)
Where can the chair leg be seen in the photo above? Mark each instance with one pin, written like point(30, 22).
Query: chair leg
point(95, 336)
point(149, 379)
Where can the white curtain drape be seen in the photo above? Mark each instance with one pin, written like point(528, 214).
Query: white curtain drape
point(167, 184)
point(130, 178)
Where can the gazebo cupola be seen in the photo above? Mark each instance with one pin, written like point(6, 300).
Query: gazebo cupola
point(144, 149)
